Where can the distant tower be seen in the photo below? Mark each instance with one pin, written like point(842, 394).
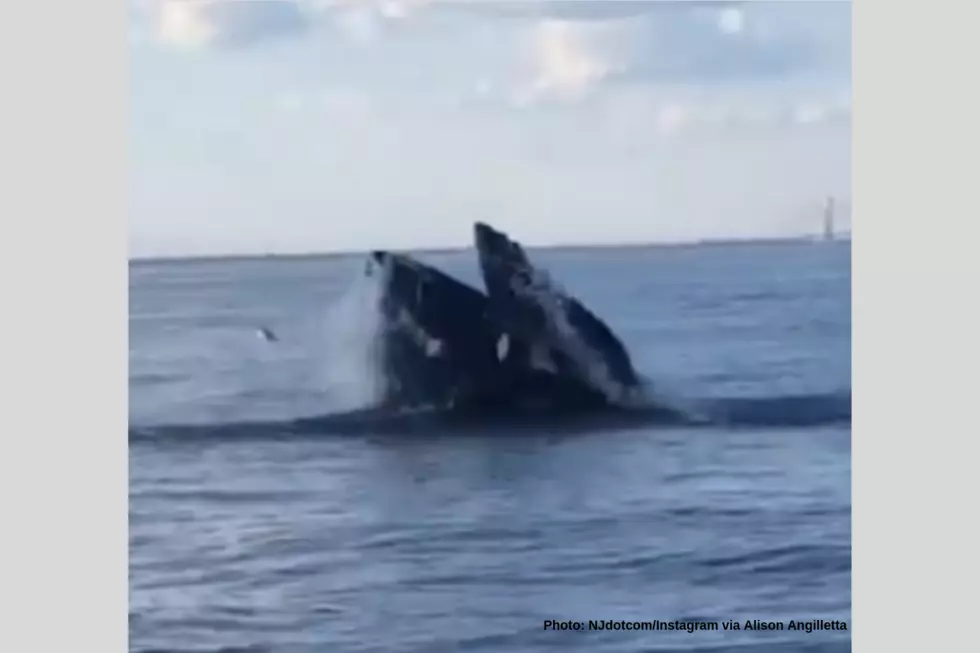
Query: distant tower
point(828, 220)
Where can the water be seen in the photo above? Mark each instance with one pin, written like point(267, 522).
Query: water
point(470, 541)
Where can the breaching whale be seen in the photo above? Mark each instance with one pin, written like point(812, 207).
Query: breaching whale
point(442, 345)
point(525, 343)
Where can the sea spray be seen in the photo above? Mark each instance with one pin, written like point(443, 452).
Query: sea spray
point(349, 363)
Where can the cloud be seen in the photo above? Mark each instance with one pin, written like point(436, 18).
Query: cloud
point(577, 10)
point(338, 104)
point(198, 24)
point(722, 110)
point(672, 118)
point(569, 57)
point(234, 24)
point(705, 39)
point(731, 20)
point(361, 24)
point(699, 44)
point(472, 53)
point(710, 46)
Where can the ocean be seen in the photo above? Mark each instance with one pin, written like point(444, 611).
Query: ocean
point(248, 535)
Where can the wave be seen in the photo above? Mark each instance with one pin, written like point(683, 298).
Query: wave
point(785, 411)
point(788, 411)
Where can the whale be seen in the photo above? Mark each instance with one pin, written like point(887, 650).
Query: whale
point(441, 345)
point(555, 324)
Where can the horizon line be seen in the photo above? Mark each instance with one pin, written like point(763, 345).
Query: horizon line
point(843, 236)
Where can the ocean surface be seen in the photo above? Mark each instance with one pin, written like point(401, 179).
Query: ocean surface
point(247, 534)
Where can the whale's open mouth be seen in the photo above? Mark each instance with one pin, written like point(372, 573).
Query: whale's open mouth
point(556, 354)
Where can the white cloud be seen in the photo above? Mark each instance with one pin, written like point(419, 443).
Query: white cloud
point(396, 9)
point(483, 87)
point(672, 118)
point(568, 49)
point(291, 102)
point(389, 8)
point(566, 58)
point(203, 24)
point(186, 24)
point(360, 23)
point(345, 103)
point(670, 112)
point(809, 113)
point(198, 24)
point(731, 20)
point(693, 44)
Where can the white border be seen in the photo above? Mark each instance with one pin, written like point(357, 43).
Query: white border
point(63, 464)
point(63, 332)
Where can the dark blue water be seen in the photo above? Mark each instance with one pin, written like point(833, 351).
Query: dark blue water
point(246, 535)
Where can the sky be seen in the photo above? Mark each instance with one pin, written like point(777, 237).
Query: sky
point(285, 126)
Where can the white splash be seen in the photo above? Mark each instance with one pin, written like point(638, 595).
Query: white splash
point(350, 336)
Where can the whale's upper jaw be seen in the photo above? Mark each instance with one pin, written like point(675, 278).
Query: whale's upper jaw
point(497, 251)
point(489, 241)
point(485, 235)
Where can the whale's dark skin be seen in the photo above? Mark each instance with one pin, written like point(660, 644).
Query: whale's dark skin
point(513, 287)
point(442, 345)
point(436, 342)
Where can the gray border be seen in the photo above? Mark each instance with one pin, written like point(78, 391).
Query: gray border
point(63, 562)
point(63, 463)
point(912, 326)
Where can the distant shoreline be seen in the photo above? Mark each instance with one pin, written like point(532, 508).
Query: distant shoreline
point(707, 242)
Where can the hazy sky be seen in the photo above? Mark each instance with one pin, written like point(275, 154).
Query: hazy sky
point(321, 125)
